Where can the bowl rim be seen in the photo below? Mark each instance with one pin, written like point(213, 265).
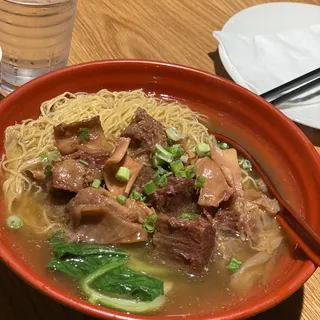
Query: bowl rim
point(81, 305)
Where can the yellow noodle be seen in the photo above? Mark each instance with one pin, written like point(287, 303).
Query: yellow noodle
point(25, 142)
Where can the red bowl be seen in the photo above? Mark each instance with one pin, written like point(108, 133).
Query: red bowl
point(274, 141)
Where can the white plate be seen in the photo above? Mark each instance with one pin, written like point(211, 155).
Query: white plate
point(271, 18)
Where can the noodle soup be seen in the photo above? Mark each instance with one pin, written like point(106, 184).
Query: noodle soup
point(130, 203)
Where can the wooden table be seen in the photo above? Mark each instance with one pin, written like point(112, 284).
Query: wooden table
point(178, 31)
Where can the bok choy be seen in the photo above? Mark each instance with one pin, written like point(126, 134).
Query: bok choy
point(103, 276)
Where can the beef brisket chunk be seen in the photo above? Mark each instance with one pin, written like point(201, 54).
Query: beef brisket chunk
point(146, 174)
point(177, 196)
point(186, 244)
point(69, 139)
point(145, 132)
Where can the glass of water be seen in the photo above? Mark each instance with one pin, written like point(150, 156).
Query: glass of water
point(35, 37)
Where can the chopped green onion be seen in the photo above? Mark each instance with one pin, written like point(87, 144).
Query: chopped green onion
point(223, 145)
point(176, 166)
point(123, 174)
point(200, 182)
point(203, 150)
point(181, 174)
point(161, 180)
point(184, 158)
point(160, 171)
point(83, 134)
point(187, 216)
point(234, 265)
point(150, 188)
point(191, 171)
point(54, 156)
point(157, 162)
point(121, 199)
point(163, 154)
point(85, 163)
point(176, 150)
point(135, 195)
point(96, 183)
point(149, 223)
point(14, 222)
point(160, 177)
point(173, 134)
point(169, 142)
point(246, 165)
point(44, 157)
point(48, 171)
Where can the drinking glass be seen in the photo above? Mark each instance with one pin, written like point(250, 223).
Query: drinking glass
point(35, 37)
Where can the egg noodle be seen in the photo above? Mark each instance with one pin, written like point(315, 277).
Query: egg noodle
point(25, 142)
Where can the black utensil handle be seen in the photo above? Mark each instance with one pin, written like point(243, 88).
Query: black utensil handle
point(293, 88)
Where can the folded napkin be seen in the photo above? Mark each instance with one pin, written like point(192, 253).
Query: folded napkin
point(266, 61)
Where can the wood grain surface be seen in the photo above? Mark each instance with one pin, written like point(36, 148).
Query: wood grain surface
point(178, 31)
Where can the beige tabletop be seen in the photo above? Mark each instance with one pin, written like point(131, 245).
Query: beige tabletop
point(178, 31)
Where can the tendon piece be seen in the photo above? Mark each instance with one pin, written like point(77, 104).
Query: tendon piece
point(86, 135)
point(215, 188)
point(184, 244)
point(119, 152)
point(227, 160)
point(120, 158)
point(145, 132)
point(98, 217)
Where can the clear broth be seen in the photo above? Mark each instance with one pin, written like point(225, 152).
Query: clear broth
point(207, 293)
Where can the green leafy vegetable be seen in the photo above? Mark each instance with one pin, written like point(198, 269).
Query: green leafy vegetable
point(14, 222)
point(83, 134)
point(234, 265)
point(80, 266)
point(62, 248)
point(125, 280)
point(199, 183)
point(129, 305)
point(150, 222)
point(103, 268)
